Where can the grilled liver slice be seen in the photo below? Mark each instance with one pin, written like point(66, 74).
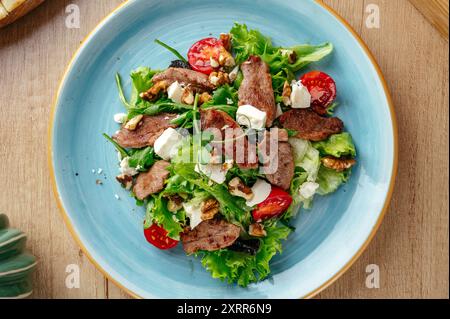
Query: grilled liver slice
point(147, 132)
point(195, 80)
point(256, 88)
point(309, 125)
point(151, 182)
point(220, 122)
point(210, 235)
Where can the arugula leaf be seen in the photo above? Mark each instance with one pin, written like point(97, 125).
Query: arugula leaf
point(121, 94)
point(243, 269)
point(337, 145)
point(248, 176)
point(142, 158)
point(123, 152)
point(175, 52)
point(160, 106)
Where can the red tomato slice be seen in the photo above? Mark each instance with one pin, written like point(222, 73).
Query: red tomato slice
point(200, 54)
point(322, 89)
point(274, 205)
point(157, 236)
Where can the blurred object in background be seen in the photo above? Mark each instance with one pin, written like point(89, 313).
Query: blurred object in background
point(436, 12)
point(16, 265)
point(11, 10)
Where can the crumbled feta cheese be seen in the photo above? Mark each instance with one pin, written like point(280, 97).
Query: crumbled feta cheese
point(194, 212)
point(167, 144)
point(300, 97)
point(250, 116)
point(175, 92)
point(117, 196)
point(261, 190)
point(214, 172)
point(93, 171)
point(229, 101)
point(99, 171)
point(120, 118)
point(126, 169)
point(308, 189)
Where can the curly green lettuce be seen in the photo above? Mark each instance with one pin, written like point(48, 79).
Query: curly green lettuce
point(337, 145)
point(252, 42)
point(243, 269)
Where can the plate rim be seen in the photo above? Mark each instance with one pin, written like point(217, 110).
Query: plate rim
point(327, 283)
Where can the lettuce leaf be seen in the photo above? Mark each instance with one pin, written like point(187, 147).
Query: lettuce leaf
point(158, 213)
point(141, 81)
point(329, 180)
point(337, 145)
point(247, 42)
point(243, 269)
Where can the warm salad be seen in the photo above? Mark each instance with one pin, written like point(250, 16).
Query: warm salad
point(223, 148)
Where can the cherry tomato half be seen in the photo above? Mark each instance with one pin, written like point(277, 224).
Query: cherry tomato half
point(277, 203)
point(157, 236)
point(322, 89)
point(200, 54)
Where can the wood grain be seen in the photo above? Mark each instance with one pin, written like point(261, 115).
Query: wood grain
point(18, 11)
point(436, 12)
point(411, 247)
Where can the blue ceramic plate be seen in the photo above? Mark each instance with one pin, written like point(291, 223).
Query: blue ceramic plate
point(328, 238)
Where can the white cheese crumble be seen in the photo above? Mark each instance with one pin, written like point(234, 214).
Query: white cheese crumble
point(262, 190)
point(308, 189)
point(125, 167)
point(120, 118)
point(300, 97)
point(194, 212)
point(167, 144)
point(250, 116)
point(175, 92)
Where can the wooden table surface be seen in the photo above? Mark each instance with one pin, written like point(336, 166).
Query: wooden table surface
point(411, 247)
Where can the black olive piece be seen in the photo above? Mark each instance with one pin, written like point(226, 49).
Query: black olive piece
point(249, 246)
point(179, 64)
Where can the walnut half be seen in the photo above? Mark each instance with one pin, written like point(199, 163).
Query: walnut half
point(125, 180)
point(209, 209)
point(237, 188)
point(257, 230)
point(286, 95)
point(154, 91)
point(338, 164)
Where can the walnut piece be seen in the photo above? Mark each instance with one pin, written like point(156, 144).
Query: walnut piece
point(154, 91)
point(175, 203)
point(226, 40)
point(125, 180)
point(237, 188)
point(209, 209)
point(257, 230)
point(338, 164)
point(188, 97)
point(219, 78)
point(286, 95)
point(204, 97)
point(132, 124)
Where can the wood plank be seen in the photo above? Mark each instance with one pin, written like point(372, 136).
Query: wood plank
point(436, 12)
point(411, 247)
